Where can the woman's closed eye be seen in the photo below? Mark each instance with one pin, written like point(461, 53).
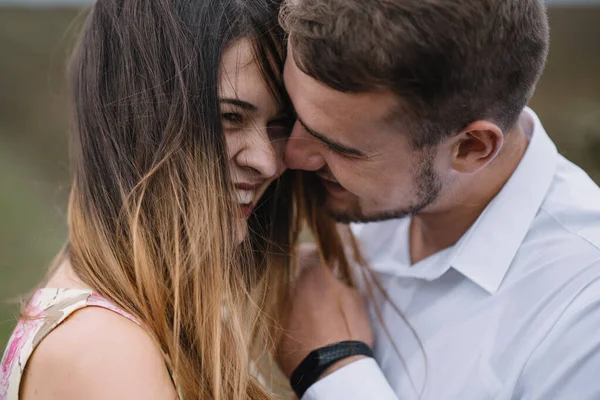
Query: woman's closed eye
point(232, 118)
point(277, 129)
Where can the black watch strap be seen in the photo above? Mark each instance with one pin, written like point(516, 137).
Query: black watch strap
point(313, 366)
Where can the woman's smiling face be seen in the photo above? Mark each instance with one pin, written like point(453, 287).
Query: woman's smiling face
point(255, 125)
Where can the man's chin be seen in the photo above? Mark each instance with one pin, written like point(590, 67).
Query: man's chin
point(346, 216)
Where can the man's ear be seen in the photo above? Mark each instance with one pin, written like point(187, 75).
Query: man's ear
point(476, 146)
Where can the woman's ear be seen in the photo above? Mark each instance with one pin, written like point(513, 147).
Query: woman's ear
point(476, 146)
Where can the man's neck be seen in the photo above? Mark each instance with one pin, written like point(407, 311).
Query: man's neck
point(431, 232)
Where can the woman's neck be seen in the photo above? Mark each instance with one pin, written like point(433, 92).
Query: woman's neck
point(65, 278)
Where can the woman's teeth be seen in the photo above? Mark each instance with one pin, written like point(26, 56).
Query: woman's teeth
point(245, 196)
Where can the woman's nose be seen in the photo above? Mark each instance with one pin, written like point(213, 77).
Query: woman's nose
point(261, 155)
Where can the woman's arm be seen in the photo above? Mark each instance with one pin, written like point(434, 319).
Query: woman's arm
point(97, 354)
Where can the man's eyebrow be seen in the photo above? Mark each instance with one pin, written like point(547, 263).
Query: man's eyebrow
point(335, 146)
point(240, 103)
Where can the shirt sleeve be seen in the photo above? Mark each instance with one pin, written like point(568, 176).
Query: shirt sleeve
point(360, 380)
point(565, 366)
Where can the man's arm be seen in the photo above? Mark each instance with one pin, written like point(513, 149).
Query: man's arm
point(565, 366)
point(323, 311)
point(359, 380)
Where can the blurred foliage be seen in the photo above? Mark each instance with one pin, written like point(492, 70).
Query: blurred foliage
point(35, 44)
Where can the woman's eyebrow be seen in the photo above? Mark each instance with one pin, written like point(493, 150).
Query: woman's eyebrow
point(240, 103)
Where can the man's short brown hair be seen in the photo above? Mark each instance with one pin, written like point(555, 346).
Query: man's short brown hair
point(452, 62)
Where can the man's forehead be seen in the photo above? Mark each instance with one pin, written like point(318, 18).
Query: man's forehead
point(314, 97)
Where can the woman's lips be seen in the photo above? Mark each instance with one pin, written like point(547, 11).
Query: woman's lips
point(246, 194)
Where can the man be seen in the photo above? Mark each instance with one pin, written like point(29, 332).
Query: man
point(486, 241)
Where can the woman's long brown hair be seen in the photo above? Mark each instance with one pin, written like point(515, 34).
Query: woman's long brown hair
point(152, 224)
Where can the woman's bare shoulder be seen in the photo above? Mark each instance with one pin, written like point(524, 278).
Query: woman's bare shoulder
point(97, 354)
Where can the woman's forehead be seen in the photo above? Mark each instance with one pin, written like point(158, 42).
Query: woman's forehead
point(242, 78)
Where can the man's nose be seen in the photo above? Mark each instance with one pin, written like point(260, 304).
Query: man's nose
point(303, 151)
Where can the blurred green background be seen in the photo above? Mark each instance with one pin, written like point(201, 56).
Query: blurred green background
point(34, 46)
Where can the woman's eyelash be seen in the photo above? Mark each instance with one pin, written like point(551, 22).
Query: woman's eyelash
point(232, 117)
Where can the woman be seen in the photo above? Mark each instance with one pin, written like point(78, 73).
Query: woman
point(169, 280)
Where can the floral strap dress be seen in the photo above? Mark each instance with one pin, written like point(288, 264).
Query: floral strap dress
point(47, 309)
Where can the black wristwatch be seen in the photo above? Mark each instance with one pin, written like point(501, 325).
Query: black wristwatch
point(313, 366)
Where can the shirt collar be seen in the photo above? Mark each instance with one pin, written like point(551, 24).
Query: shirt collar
point(485, 253)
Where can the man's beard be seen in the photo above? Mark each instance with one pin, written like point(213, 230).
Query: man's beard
point(428, 186)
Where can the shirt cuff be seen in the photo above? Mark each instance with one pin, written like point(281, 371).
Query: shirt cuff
point(359, 380)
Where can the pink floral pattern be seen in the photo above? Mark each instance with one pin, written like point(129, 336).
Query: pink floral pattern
point(99, 301)
point(23, 331)
point(46, 310)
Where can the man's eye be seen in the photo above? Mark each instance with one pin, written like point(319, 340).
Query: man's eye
point(334, 150)
point(233, 118)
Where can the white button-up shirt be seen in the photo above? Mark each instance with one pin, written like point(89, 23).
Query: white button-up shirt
point(511, 311)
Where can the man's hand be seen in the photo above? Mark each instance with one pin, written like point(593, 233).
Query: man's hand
point(322, 311)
